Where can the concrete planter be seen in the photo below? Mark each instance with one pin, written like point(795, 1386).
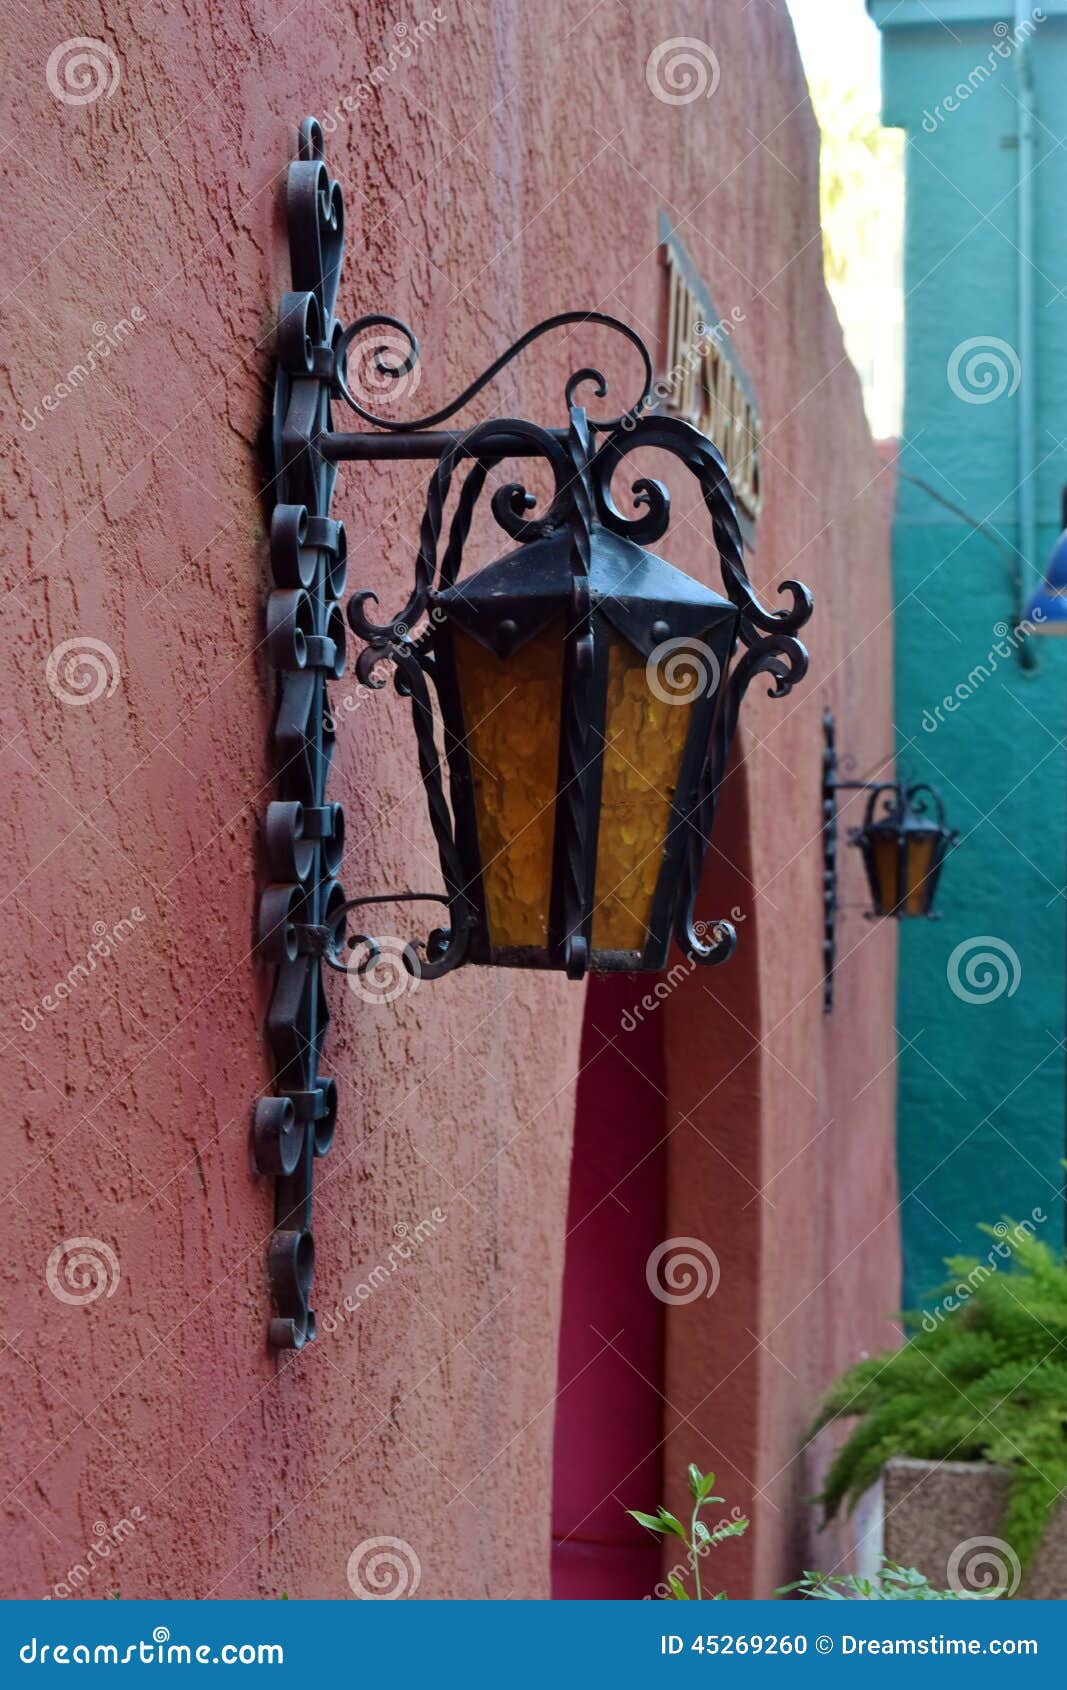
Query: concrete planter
point(944, 1518)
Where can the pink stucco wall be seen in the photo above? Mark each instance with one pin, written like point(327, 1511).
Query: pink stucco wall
point(511, 166)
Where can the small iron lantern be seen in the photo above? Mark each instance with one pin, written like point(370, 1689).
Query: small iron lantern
point(903, 848)
point(903, 840)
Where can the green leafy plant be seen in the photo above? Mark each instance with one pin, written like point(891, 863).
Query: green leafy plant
point(698, 1537)
point(893, 1584)
point(986, 1380)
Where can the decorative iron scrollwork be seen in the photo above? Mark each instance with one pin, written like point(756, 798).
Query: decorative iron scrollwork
point(302, 910)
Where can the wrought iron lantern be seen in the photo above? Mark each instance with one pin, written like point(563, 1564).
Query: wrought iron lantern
point(573, 703)
point(903, 848)
point(586, 697)
point(903, 839)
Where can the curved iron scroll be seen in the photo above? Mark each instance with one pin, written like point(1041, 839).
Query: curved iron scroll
point(395, 371)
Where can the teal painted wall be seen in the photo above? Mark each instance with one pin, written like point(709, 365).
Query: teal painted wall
point(981, 1083)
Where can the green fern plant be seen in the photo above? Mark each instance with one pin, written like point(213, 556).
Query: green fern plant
point(986, 1382)
point(893, 1584)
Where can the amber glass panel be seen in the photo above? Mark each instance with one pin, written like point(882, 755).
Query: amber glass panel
point(918, 859)
point(511, 711)
point(885, 851)
point(645, 735)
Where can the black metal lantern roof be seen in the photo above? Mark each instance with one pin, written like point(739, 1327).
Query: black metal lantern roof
point(644, 598)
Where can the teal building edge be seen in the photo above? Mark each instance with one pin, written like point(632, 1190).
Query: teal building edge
point(981, 1006)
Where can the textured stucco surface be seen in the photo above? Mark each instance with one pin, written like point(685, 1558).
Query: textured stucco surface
point(512, 167)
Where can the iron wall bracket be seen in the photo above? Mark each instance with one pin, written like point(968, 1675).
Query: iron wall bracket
point(303, 912)
point(899, 800)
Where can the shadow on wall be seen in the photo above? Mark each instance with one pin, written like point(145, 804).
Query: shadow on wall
point(609, 1408)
